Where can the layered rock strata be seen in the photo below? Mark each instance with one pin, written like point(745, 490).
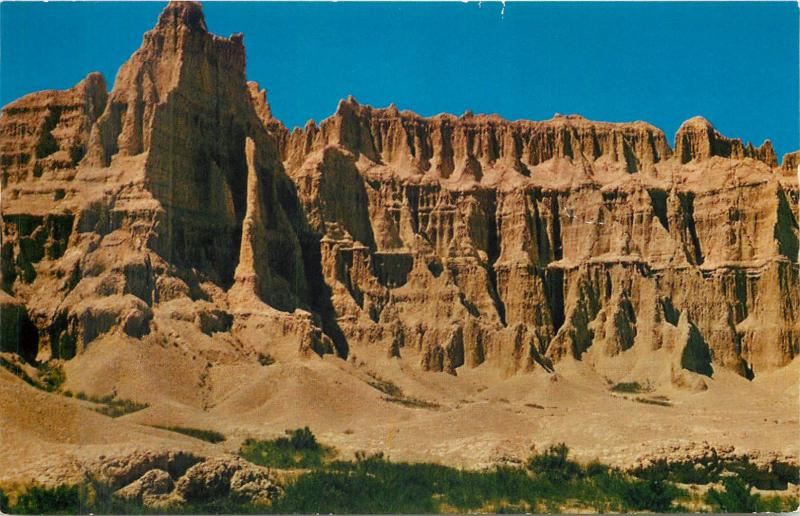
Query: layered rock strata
point(446, 242)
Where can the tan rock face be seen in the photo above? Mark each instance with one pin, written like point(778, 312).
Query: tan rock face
point(448, 242)
point(542, 240)
point(46, 134)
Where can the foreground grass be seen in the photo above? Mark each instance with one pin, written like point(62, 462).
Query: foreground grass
point(548, 482)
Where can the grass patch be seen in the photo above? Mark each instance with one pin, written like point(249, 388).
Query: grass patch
point(394, 394)
point(113, 406)
point(629, 387)
point(52, 376)
point(64, 499)
point(17, 371)
point(413, 402)
point(265, 359)
point(49, 376)
point(385, 386)
point(299, 449)
point(653, 401)
point(204, 435)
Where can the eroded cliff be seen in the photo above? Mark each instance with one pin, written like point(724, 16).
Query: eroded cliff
point(446, 242)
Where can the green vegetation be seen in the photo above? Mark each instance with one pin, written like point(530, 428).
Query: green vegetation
point(774, 476)
point(394, 394)
point(737, 496)
point(412, 402)
point(49, 376)
point(205, 435)
point(630, 387)
point(548, 482)
point(52, 376)
point(299, 450)
point(43, 500)
point(19, 372)
point(653, 401)
point(114, 407)
point(385, 387)
point(265, 359)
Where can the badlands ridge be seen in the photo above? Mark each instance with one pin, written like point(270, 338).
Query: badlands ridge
point(453, 288)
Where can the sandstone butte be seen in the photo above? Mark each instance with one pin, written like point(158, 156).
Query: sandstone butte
point(168, 240)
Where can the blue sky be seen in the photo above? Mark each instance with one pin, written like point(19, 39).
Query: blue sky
point(734, 63)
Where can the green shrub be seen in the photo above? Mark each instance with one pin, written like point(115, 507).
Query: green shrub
point(116, 408)
point(49, 500)
point(386, 387)
point(735, 498)
point(412, 402)
point(299, 450)
point(4, 507)
point(205, 435)
point(51, 376)
point(19, 372)
point(303, 439)
point(772, 476)
point(554, 465)
point(653, 401)
point(631, 387)
point(778, 504)
point(769, 476)
point(265, 359)
point(596, 468)
point(650, 495)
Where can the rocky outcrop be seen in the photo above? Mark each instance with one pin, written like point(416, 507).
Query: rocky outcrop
point(211, 479)
point(46, 134)
point(447, 242)
point(697, 140)
point(530, 242)
point(181, 186)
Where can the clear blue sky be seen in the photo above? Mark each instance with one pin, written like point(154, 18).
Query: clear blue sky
point(734, 63)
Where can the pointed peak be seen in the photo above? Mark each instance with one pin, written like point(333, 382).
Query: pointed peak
point(94, 85)
point(94, 79)
point(696, 122)
point(259, 98)
point(185, 13)
point(348, 105)
point(697, 139)
point(791, 162)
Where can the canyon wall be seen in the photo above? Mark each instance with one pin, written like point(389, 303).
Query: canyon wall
point(445, 242)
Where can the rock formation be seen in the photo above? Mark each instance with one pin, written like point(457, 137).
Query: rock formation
point(447, 242)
